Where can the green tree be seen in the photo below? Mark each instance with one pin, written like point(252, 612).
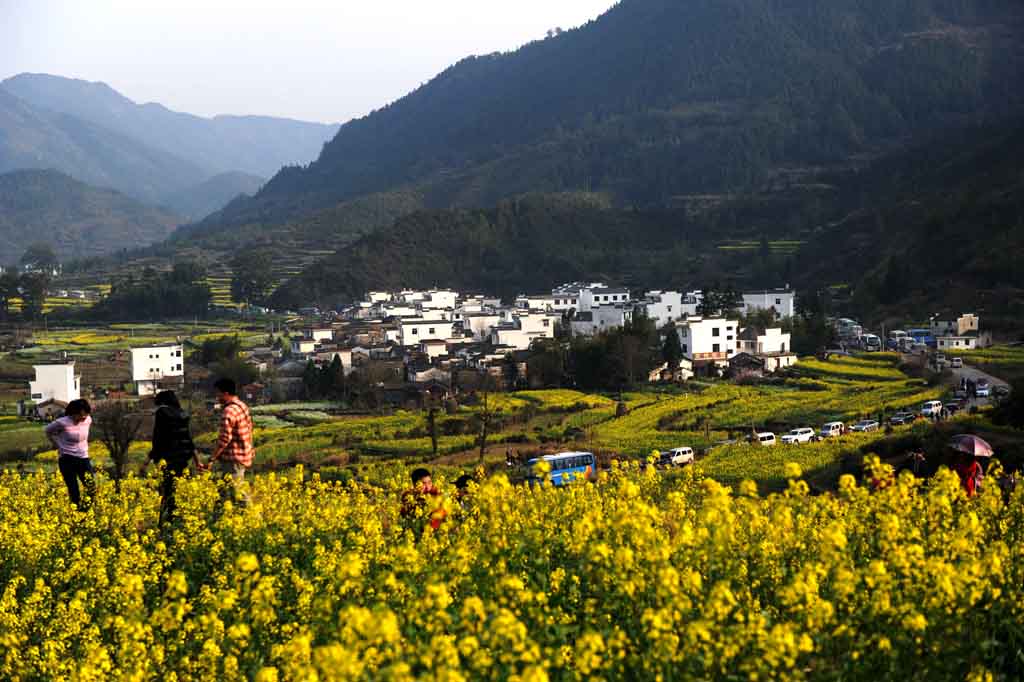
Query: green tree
point(671, 349)
point(33, 286)
point(333, 384)
point(253, 277)
point(311, 383)
point(39, 256)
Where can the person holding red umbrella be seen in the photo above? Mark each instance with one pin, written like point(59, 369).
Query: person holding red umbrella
point(969, 449)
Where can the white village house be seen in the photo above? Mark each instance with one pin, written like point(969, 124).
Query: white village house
point(600, 319)
point(709, 340)
point(55, 382)
point(771, 346)
point(413, 331)
point(782, 301)
point(156, 367)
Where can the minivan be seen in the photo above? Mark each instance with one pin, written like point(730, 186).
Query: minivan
point(956, 363)
point(678, 457)
point(932, 408)
point(766, 439)
point(832, 429)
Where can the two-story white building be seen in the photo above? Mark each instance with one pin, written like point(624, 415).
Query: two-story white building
point(55, 382)
point(601, 319)
point(772, 346)
point(479, 325)
point(319, 333)
point(711, 340)
point(411, 332)
point(663, 306)
point(154, 367)
point(962, 326)
point(523, 328)
point(781, 301)
point(597, 296)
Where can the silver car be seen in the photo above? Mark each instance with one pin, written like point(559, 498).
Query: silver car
point(865, 426)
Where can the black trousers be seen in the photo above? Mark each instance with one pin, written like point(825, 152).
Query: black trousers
point(75, 469)
point(168, 505)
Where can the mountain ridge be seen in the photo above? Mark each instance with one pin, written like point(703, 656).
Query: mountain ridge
point(258, 145)
point(657, 98)
point(73, 217)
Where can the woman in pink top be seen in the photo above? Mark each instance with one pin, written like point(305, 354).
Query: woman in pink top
point(70, 436)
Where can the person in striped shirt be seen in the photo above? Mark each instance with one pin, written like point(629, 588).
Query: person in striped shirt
point(234, 452)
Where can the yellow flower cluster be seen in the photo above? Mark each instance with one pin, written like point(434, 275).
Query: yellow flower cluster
point(635, 576)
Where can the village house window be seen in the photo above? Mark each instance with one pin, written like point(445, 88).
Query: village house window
point(686, 348)
point(547, 323)
point(178, 368)
point(715, 331)
point(670, 308)
point(716, 348)
point(415, 331)
point(430, 331)
point(778, 301)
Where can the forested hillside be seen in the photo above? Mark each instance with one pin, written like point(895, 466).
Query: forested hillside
point(524, 244)
point(939, 225)
point(661, 99)
point(77, 220)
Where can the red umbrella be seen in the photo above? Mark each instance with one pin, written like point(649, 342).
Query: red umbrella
point(971, 445)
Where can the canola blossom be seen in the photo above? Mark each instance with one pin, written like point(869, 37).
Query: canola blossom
point(636, 576)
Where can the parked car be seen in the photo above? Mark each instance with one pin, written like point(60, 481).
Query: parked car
point(952, 408)
point(932, 408)
point(902, 418)
point(832, 429)
point(677, 457)
point(982, 389)
point(766, 439)
point(801, 435)
point(956, 363)
point(960, 394)
point(865, 425)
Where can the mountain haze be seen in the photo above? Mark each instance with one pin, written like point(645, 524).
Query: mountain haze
point(34, 138)
point(257, 145)
point(198, 201)
point(78, 220)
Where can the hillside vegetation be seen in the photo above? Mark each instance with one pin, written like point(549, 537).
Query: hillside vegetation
point(659, 98)
point(76, 219)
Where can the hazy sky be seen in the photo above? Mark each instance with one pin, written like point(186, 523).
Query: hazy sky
point(308, 59)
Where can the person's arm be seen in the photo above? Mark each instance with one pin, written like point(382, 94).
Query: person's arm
point(51, 430)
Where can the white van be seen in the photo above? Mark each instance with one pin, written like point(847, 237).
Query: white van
point(679, 456)
point(932, 408)
point(766, 439)
point(956, 363)
point(832, 429)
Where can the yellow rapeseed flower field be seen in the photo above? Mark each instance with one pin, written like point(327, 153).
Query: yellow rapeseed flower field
point(633, 577)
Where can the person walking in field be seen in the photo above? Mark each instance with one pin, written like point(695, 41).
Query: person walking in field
point(234, 452)
point(70, 437)
point(172, 445)
point(420, 496)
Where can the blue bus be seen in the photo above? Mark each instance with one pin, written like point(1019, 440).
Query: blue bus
point(922, 336)
point(565, 467)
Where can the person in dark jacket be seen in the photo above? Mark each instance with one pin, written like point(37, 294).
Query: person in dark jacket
point(172, 445)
